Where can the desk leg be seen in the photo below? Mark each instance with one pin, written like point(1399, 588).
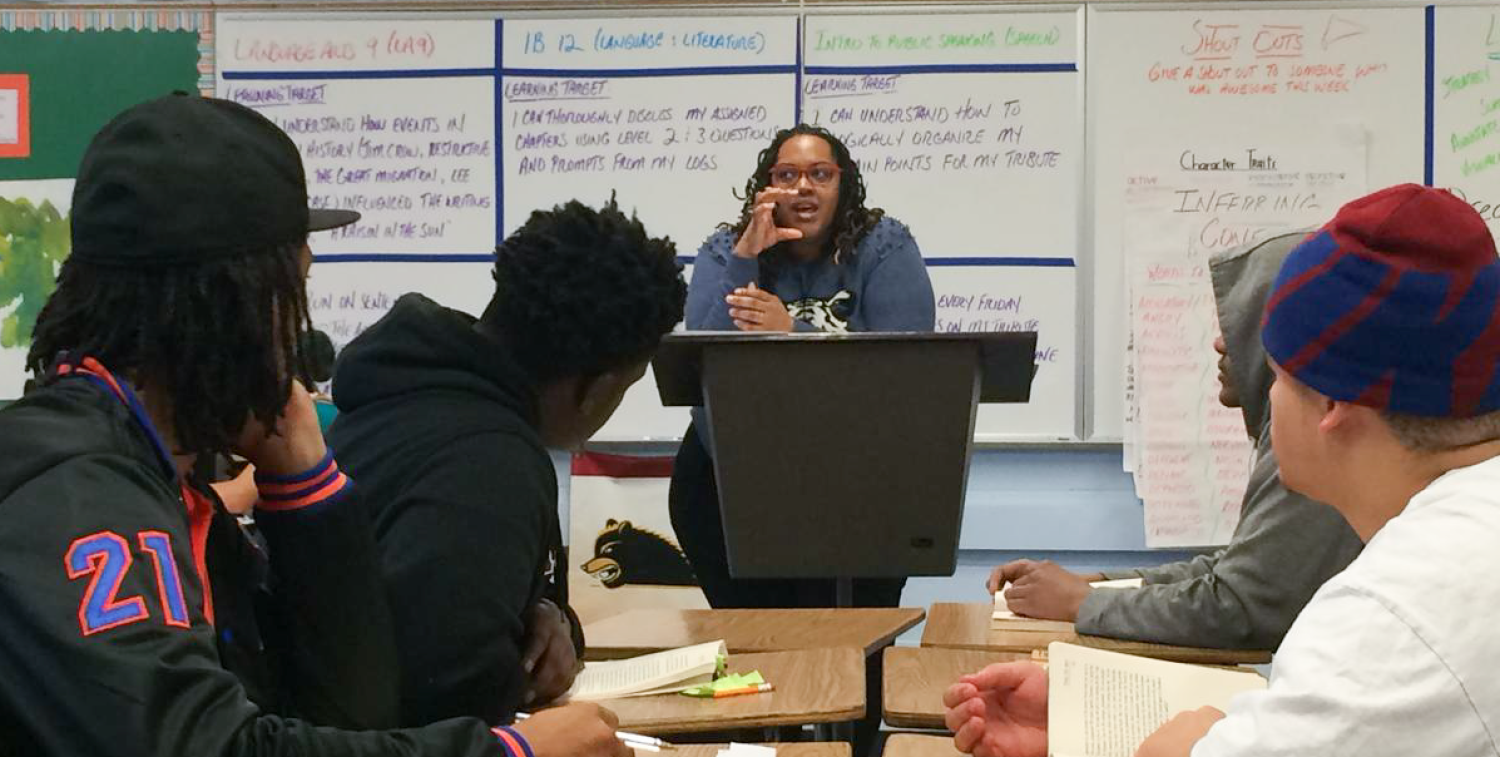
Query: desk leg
point(782, 734)
point(833, 732)
point(843, 592)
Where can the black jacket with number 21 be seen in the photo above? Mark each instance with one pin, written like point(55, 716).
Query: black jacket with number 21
point(136, 618)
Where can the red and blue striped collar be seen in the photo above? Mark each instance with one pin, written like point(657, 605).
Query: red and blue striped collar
point(70, 366)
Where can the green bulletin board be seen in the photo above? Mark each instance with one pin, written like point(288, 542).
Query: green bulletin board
point(81, 79)
point(76, 70)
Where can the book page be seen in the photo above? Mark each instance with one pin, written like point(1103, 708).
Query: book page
point(672, 688)
point(1104, 704)
point(659, 672)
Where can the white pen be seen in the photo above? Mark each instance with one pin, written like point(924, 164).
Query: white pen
point(632, 740)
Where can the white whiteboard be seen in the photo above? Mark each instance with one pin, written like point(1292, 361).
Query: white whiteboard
point(693, 101)
point(1332, 65)
point(673, 128)
point(447, 131)
point(394, 119)
point(1465, 105)
point(968, 128)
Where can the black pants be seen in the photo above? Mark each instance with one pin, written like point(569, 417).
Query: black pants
point(694, 504)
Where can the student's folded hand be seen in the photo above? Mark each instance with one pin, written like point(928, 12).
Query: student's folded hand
point(550, 661)
point(292, 445)
point(1000, 711)
point(1042, 589)
point(239, 494)
point(997, 578)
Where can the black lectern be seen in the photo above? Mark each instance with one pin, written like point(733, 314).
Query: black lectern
point(842, 455)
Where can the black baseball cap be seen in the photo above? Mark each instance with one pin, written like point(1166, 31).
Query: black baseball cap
point(185, 179)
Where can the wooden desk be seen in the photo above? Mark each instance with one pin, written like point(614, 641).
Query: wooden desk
point(915, 679)
point(915, 745)
point(796, 749)
point(967, 626)
point(812, 686)
point(640, 631)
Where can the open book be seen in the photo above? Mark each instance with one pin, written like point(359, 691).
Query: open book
point(658, 673)
point(1005, 619)
point(1104, 704)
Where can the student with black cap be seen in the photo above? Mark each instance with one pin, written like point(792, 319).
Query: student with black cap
point(128, 608)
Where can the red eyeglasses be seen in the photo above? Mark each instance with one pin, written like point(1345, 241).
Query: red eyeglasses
point(786, 175)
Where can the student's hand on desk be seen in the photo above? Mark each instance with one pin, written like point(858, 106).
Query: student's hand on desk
point(580, 729)
point(296, 444)
point(1177, 737)
point(755, 309)
point(550, 661)
point(1000, 711)
point(996, 580)
point(762, 233)
point(1042, 589)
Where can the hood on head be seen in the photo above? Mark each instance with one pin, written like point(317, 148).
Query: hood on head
point(1242, 279)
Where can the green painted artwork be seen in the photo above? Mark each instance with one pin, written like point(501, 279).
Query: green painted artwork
point(34, 240)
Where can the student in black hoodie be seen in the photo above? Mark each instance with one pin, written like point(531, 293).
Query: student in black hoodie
point(136, 617)
point(446, 420)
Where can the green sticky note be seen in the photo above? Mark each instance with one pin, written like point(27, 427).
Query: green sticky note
point(736, 681)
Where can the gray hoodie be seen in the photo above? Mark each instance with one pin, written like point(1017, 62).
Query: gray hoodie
point(1245, 595)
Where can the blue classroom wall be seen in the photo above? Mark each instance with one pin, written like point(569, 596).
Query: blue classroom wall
point(1068, 503)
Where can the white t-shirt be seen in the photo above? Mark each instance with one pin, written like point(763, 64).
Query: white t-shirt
point(1398, 655)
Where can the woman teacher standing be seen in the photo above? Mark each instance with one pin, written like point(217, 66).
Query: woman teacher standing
point(805, 255)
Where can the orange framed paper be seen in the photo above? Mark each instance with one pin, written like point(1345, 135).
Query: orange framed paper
point(15, 115)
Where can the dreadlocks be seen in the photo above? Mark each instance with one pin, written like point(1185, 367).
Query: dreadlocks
point(220, 337)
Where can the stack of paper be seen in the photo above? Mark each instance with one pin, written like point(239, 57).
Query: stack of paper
point(737, 749)
point(1118, 583)
point(659, 673)
point(1189, 454)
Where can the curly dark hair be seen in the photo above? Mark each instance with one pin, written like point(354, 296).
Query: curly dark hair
point(213, 336)
point(851, 219)
point(580, 292)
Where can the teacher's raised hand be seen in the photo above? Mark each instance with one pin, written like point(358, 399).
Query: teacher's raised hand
point(762, 233)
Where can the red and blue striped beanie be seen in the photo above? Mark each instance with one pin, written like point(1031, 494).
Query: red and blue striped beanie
point(1392, 305)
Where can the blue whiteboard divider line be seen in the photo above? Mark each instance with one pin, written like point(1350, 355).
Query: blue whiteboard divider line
point(499, 131)
point(1001, 262)
point(1431, 72)
point(969, 262)
point(636, 73)
point(797, 97)
point(947, 68)
point(405, 257)
point(425, 73)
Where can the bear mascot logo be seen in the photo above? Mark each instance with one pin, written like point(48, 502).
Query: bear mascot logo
point(624, 554)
